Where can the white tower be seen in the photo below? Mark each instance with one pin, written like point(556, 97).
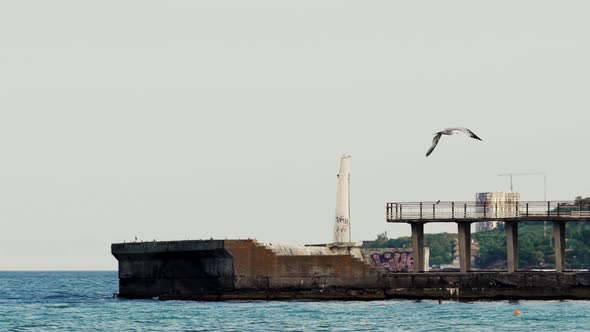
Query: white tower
point(342, 224)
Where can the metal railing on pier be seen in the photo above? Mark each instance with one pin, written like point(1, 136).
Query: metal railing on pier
point(480, 211)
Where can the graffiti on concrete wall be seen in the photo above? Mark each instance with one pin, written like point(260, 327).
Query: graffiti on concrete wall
point(394, 261)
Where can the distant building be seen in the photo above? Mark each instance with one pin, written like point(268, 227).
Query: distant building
point(495, 204)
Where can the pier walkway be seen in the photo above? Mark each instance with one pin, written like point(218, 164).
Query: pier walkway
point(465, 213)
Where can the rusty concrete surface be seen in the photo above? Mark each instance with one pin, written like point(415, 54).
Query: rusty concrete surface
point(247, 270)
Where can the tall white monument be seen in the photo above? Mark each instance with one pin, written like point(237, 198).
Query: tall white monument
point(342, 224)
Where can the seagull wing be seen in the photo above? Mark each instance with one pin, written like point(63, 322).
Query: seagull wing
point(434, 143)
point(466, 131)
point(472, 135)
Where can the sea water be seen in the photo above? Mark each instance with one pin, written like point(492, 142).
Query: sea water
point(83, 301)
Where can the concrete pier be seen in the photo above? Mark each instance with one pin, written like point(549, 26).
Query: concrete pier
point(247, 270)
point(558, 212)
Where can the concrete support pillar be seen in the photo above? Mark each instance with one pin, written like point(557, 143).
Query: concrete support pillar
point(464, 246)
point(418, 246)
point(511, 228)
point(559, 237)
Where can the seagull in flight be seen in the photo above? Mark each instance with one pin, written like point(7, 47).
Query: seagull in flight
point(449, 131)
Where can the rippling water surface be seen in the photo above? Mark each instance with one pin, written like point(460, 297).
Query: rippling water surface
point(82, 301)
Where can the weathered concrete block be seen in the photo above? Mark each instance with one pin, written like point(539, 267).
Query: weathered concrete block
point(245, 269)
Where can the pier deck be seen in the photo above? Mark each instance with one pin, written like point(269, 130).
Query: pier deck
point(408, 212)
point(464, 213)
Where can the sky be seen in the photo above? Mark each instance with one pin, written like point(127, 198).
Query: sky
point(175, 120)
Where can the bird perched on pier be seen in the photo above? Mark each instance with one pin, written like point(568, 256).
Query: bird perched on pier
point(449, 131)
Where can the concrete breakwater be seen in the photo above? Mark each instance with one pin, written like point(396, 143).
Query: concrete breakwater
point(246, 269)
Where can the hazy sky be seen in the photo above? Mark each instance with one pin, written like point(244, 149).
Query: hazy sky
point(226, 119)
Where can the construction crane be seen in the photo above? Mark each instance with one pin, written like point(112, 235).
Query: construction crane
point(529, 173)
point(544, 189)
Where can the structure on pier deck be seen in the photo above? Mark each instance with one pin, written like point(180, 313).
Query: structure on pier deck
point(465, 213)
point(342, 222)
